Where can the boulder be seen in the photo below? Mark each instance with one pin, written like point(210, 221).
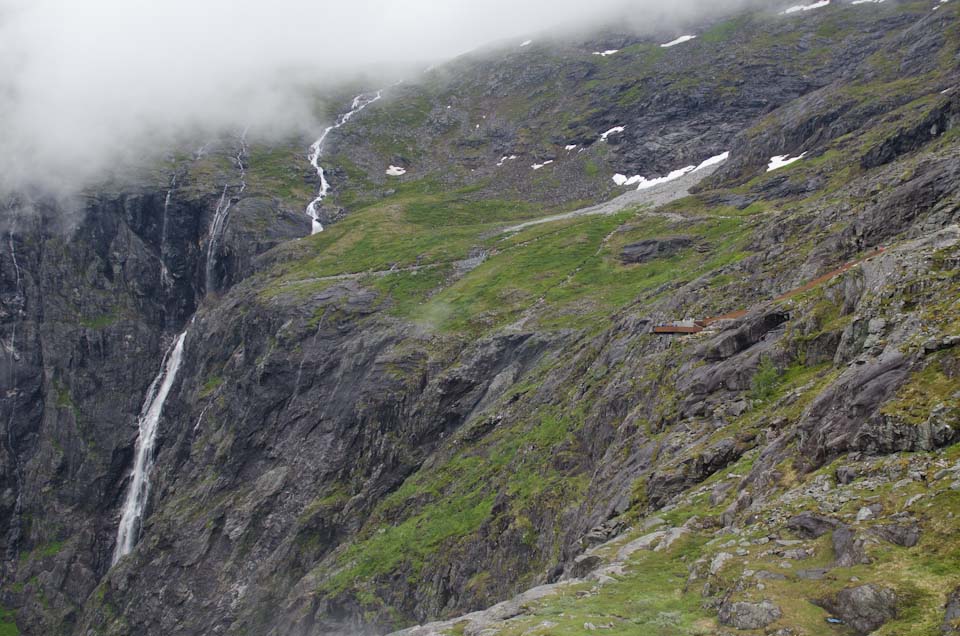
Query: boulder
point(809, 525)
point(646, 542)
point(584, 565)
point(864, 609)
point(905, 535)
point(848, 548)
point(951, 619)
point(846, 475)
point(745, 615)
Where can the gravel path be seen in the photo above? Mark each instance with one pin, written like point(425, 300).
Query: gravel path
point(653, 197)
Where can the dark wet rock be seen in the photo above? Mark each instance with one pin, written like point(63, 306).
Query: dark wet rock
point(650, 249)
point(808, 525)
point(744, 615)
point(864, 609)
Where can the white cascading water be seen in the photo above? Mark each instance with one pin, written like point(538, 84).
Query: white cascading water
point(138, 493)
point(16, 267)
point(149, 423)
point(165, 278)
point(220, 215)
point(316, 151)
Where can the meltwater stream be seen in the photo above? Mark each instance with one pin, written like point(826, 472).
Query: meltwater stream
point(149, 423)
point(316, 151)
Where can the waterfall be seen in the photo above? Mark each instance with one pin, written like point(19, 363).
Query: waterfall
point(20, 298)
point(220, 216)
point(139, 490)
point(316, 151)
point(165, 278)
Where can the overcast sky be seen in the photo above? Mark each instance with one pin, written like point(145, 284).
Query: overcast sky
point(82, 81)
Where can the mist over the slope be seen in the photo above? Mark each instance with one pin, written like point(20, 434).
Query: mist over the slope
point(88, 85)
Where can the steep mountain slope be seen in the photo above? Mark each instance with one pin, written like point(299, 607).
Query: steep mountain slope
point(434, 405)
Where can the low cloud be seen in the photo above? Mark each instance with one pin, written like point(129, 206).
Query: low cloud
point(85, 85)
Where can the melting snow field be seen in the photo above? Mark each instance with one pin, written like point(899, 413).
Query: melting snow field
point(805, 7)
point(643, 183)
point(679, 40)
point(396, 171)
point(613, 131)
point(782, 160)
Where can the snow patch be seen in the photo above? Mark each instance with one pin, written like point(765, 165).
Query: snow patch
point(866, 1)
point(606, 53)
point(570, 147)
point(526, 43)
point(396, 171)
point(679, 40)
point(805, 7)
point(613, 131)
point(537, 166)
point(783, 160)
point(643, 183)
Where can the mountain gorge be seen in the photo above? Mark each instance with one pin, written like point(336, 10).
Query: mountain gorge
point(450, 411)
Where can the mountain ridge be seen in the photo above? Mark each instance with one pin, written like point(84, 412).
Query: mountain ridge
point(415, 413)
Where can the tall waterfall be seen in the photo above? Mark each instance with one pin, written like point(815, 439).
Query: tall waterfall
point(148, 422)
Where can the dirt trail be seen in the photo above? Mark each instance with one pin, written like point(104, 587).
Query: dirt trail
point(653, 197)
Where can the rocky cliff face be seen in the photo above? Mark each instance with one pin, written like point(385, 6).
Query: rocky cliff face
point(421, 412)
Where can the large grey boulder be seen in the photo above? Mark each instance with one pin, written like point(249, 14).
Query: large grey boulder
point(864, 609)
point(905, 535)
point(744, 615)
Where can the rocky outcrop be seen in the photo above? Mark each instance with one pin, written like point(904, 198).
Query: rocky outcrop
point(951, 617)
point(654, 248)
point(808, 525)
point(848, 548)
point(744, 615)
point(313, 418)
point(864, 609)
